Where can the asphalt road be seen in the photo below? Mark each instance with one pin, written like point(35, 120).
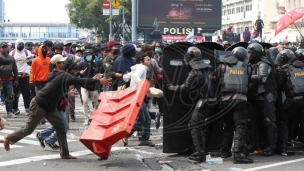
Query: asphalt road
point(27, 155)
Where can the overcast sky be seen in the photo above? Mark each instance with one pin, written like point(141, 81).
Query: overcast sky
point(36, 11)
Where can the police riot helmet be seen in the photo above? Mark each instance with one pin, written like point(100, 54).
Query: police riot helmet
point(192, 52)
point(256, 50)
point(293, 48)
point(300, 54)
point(240, 53)
point(284, 56)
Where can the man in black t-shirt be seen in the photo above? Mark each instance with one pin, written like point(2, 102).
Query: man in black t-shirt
point(259, 24)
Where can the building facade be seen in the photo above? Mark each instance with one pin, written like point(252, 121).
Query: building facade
point(244, 13)
point(2, 11)
point(38, 31)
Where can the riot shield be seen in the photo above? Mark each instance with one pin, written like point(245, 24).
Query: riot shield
point(177, 105)
point(214, 122)
point(241, 44)
point(266, 45)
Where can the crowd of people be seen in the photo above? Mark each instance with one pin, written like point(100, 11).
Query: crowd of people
point(85, 70)
point(251, 75)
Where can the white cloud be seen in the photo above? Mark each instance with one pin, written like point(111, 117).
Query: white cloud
point(36, 11)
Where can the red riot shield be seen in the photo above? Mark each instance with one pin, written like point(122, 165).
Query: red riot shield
point(114, 118)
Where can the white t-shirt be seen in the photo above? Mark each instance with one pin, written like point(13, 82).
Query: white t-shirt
point(137, 74)
point(20, 57)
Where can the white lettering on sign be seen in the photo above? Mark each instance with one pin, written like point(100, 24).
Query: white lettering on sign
point(181, 31)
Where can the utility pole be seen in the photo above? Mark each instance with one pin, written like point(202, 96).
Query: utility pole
point(110, 36)
point(134, 20)
point(123, 24)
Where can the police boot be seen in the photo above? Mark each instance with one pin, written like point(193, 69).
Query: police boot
point(227, 143)
point(272, 140)
point(239, 156)
point(198, 142)
point(301, 132)
point(282, 139)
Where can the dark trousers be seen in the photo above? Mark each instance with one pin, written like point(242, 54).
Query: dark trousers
point(24, 88)
point(259, 31)
point(201, 112)
point(32, 91)
point(262, 126)
point(295, 113)
point(36, 113)
point(236, 118)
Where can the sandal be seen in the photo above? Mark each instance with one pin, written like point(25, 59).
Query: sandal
point(125, 141)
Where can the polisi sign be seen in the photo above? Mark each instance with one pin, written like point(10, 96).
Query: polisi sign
point(175, 30)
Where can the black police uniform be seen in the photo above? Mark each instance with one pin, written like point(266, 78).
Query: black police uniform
point(234, 75)
point(197, 79)
point(263, 96)
point(294, 89)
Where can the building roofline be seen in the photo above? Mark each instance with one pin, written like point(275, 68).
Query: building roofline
point(47, 24)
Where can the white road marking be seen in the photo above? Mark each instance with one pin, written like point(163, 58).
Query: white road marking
point(274, 165)
point(141, 151)
point(49, 157)
point(32, 142)
point(11, 146)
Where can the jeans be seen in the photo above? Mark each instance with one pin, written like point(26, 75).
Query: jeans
point(143, 122)
point(49, 133)
point(8, 89)
point(24, 88)
point(85, 97)
point(36, 113)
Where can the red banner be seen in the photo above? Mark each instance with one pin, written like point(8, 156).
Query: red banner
point(288, 19)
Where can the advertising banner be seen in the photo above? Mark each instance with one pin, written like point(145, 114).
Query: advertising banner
point(205, 14)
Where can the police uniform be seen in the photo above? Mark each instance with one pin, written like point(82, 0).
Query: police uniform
point(293, 86)
point(234, 75)
point(263, 97)
point(197, 79)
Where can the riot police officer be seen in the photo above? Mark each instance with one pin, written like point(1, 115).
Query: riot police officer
point(294, 90)
point(263, 96)
point(300, 54)
point(197, 79)
point(234, 75)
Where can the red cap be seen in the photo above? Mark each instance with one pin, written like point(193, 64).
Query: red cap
point(111, 43)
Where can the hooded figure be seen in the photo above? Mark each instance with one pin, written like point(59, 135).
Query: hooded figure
point(123, 64)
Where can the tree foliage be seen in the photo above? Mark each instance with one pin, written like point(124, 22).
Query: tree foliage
point(89, 14)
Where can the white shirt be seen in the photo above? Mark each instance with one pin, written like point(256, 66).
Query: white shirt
point(137, 74)
point(20, 58)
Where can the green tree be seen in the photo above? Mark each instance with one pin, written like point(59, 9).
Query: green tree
point(89, 14)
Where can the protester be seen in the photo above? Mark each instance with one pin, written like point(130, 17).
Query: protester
point(45, 102)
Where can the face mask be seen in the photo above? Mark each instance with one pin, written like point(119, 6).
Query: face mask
point(89, 58)
point(77, 57)
point(158, 50)
point(116, 51)
point(150, 54)
point(20, 48)
point(138, 49)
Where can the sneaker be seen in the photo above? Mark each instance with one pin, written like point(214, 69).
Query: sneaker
point(11, 115)
point(52, 146)
point(157, 120)
point(146, 143)
point(16, 112)
point(73, 118)
point(40, 140)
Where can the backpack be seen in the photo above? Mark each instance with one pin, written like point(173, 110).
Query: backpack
point(14, 51)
